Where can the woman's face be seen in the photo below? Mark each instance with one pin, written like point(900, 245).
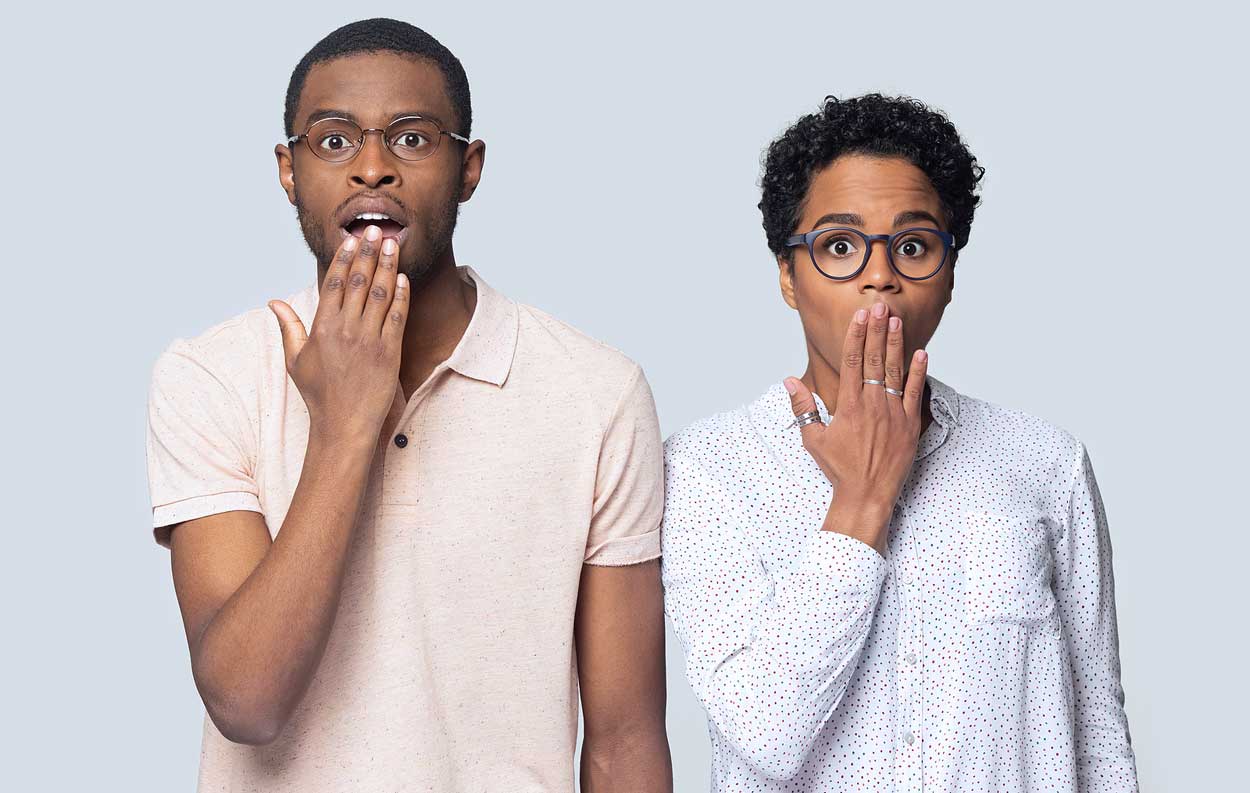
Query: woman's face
point(876, 195)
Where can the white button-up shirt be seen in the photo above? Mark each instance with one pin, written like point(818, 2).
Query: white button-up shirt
point(980, 654)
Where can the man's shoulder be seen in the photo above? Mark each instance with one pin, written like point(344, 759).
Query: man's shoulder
point(562, 349)
point(238, 348)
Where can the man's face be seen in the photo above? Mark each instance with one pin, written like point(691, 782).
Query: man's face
point(421, 197)
point(877, 190)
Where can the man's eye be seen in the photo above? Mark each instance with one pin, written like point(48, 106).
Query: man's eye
point(335, 142)
point(410, 140)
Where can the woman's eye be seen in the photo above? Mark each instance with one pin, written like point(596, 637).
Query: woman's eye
point(911, 248)
point(841, 247)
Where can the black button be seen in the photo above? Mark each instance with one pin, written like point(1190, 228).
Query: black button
point(401, 440)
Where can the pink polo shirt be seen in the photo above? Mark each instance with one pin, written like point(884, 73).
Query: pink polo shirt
point(531, 451)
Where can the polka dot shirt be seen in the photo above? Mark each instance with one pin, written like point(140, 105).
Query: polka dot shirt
point(979, 655)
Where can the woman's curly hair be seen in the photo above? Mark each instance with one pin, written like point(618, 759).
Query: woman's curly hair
point(869, 124)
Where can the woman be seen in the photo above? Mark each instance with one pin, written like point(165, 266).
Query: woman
point(881, 583)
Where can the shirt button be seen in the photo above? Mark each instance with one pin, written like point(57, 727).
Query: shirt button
point(907, 736)
point(910, 658)
point(401, 440)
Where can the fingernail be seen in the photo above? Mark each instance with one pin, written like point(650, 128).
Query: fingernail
point(878, 310)
point(402, 280)
point(861, 316)
point(350, 244)
point(895, 323)
point(922, 356)
point(373, 232)
point(791, 387)
point(388, 247)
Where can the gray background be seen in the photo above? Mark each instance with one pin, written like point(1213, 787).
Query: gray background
point(1103, 290)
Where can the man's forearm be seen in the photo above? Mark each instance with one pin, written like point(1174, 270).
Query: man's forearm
point(255, 658)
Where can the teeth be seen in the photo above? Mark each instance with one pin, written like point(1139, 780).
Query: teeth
point(372, 216)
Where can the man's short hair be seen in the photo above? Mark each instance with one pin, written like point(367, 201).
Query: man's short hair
point(875, 125)
point(384, 35)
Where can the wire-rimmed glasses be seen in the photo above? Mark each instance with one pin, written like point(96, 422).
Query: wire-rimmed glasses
point(408, 138)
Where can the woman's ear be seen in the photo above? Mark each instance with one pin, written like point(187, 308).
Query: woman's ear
point(785, 272)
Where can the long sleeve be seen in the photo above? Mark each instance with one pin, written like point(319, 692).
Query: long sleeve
point(1085, 591)
point(769, 657)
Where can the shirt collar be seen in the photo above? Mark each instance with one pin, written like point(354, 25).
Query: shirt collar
point(486, 349)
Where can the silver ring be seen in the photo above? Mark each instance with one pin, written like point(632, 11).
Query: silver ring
point(810, 417)
point(874, 382)
point(893, 391)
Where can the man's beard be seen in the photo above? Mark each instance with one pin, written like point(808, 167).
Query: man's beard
point(438, 228)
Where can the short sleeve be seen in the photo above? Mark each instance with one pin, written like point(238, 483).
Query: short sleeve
point(198, 448)
point(629, 482)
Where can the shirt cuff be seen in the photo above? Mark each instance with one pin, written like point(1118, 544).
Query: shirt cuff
point(165, 516)
point(840, 557)
point(621, 551)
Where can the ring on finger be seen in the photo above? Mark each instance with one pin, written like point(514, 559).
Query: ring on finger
point(874, 382)
point(893, 391)
point(802, 420)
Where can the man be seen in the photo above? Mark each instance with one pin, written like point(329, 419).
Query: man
point(408, 517)
point(881, 583)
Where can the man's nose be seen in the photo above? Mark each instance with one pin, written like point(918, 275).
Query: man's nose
point(374, 166)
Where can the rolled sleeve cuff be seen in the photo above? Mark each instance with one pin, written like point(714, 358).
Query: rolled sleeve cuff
point(165, 516)
point(840, 557)
point(621, 551)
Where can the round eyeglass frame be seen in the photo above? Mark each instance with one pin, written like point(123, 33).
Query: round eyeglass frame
point(808, 241)
point(360, 142)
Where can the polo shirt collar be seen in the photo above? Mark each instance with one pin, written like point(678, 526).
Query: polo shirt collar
point(486, 350)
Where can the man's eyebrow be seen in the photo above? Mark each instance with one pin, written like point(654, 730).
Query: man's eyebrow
point(318, 115)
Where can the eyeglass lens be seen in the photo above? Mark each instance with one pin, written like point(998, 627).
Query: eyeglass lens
point(838, 253)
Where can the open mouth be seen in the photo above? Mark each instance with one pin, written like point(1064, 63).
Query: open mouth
point(389, 227)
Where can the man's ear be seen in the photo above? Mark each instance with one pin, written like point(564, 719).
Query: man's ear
point(286, 171)
point(471, 168)
point(785, 273)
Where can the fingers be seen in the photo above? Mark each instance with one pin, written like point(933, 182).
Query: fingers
point(331, 298)
point(874, 349)
point(293, 333)
point(850, 379)
point(360, 277)
point(802, 401)
point(378, 302)
point(894, 353)
point(397, 315)
point(914, 393)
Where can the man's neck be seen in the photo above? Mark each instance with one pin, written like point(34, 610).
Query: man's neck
point(438, 315)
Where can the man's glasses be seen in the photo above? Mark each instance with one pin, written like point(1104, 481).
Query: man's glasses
point(408, 138)
point(842, 253)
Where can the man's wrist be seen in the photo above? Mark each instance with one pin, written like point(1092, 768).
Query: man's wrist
point(343, 440)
